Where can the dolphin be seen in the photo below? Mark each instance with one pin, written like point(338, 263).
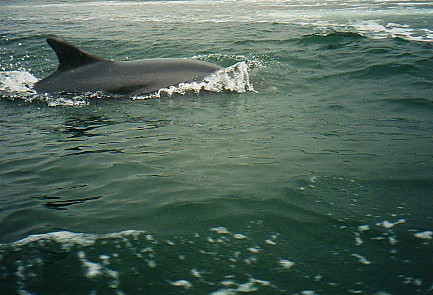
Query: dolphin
point(80, 71)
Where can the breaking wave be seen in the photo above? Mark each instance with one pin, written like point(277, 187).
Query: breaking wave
point(373, 29)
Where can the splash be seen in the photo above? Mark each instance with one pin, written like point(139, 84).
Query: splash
point(17, 81)
point(232, 79)
point(18, 85)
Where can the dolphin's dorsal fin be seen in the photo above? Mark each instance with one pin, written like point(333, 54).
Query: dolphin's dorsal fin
point(70, 56)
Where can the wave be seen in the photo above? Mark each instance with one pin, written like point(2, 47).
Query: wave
point(374, 19)
point(406, 70)
point(332, 39)
point(374, 29)
point(220, 258)
point(384, 70)
point(414, 102)
point(18, 85)
point(379, 30)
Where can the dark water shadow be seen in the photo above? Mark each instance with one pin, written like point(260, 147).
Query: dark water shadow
point(56, 203)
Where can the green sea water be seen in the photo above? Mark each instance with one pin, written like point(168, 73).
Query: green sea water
point(312, 176)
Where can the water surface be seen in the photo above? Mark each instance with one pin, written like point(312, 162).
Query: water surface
point(314, 179)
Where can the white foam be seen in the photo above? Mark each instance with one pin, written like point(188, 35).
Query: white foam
point(228, 283)
point(270, 242)
point(151, 263)
point(94, 270)
point(425, 235)
point(65, 238)
point(362, 259)
point(220, 230)
point(392, 241)
point(182, 283)
point(251, 286)
point(105, 259)
point(254, 250)
point(373, 28)
point(364, 227)
point(150, 237)
point(76, 101)
point(358, 240)
point(240, 237)
point(247, 287)
point(224, 292)
point(260, 282)
point(378, 30)
point(232, 79)
point(388, 224)
point(17, 81)
point(286, 264)
point(412, 281)
point(69, 239)
point(250, 260)
point(195, 273)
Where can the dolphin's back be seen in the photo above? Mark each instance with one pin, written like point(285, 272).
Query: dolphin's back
point(80, 71)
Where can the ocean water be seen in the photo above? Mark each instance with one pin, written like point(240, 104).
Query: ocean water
point(305, 167)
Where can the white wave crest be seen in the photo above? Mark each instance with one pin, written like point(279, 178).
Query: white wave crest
point(232, 79)
point(374, 29)
point(69, 239)
point(378, 30)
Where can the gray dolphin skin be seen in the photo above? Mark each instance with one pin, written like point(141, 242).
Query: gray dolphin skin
point(80, 71)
